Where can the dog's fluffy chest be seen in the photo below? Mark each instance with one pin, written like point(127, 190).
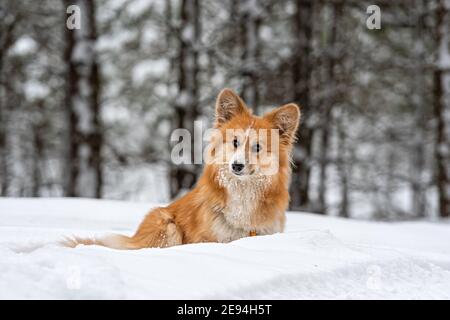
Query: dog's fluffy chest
point(237, 215)
point(236, 219)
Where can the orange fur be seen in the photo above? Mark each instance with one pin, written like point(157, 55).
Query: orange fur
point(222, 208)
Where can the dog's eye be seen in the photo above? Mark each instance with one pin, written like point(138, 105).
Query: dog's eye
point(256, 147)
point(235, 143)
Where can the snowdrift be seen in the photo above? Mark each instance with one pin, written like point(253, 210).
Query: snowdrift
point(316, 258)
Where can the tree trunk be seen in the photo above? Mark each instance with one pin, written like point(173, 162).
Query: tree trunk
point(344, 207)
point(418, 183)
point(328, 104)
point(4, 168)
point(301, 82)
point(249, 21)
point(38, 130)
point(85, 139)
point(183, 177)
point(442, 108)
point(6, 40)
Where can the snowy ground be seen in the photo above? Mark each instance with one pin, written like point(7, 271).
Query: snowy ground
point(316, 258)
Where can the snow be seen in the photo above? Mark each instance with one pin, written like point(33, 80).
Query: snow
point(317, 257)
point(114, 42)
point(24, 45)
point(138, 7)
point(147, 68)
point(139, 182)
point(35, 90)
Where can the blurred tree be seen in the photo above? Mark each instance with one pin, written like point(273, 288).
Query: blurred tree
point(331, 53)
point(8, 22)
point(302, 21)
point(186, 109)
point(85, 135)
point(420, 104)
point(249, 16)
point(442, 105)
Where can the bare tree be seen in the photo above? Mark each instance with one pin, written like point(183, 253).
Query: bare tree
point(301, 93)
point(343, 168)
point(331, 54)
point(84, 160)
point(442, 106)
point(186, 108)
point(38, 129)
point(8, 23)
point(419, 139)
point(250, 14)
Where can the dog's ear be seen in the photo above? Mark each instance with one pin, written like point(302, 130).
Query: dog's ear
point(285, 118)
point(228, 105)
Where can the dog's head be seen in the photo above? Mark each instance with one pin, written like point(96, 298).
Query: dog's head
point(247, 146)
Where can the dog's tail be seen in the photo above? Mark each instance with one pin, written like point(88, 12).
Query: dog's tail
point(114, 241)
point(158, 230)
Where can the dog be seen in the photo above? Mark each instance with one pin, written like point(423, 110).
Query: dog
point(243, 190)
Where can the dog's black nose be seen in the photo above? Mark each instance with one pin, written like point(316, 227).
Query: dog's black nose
point(237, 167)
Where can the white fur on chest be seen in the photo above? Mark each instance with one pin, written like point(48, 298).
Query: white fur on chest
point(243, 197)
